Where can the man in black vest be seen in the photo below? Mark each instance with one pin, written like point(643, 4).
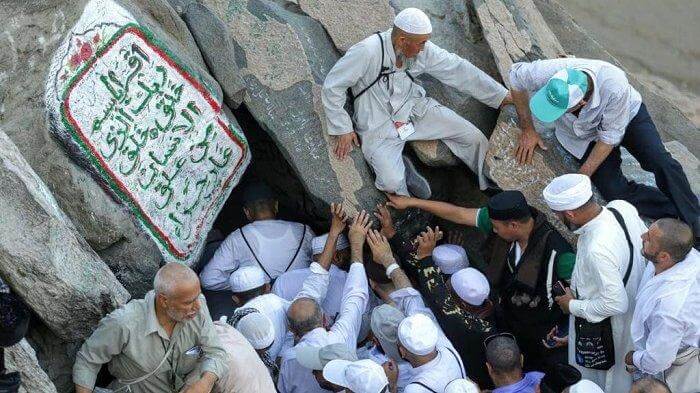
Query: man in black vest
point(526, 258)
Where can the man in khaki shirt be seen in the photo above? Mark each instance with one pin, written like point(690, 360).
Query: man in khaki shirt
point(163, 343)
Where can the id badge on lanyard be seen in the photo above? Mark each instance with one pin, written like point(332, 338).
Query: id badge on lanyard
point(404, 129)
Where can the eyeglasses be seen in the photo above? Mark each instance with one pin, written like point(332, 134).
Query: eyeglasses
point(490, 338)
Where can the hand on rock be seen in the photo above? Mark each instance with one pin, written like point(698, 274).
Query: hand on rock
point(338, 219)
point(427, 241)
point(344, 144)
point(386, 221)
point(357, 234)
point(381, 250)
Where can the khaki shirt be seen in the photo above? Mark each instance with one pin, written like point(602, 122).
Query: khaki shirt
point(133, 343)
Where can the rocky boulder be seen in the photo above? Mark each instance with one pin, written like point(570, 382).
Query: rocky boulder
point(282, 57)
point(44, 259)
point(21, 357)
point(130, 99)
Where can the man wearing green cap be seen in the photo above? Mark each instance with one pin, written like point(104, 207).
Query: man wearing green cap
point(594, 111)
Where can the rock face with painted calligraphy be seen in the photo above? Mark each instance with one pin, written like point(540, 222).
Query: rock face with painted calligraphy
point(148, 123)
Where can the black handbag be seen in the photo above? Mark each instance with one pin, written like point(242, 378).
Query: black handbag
point(594, 344)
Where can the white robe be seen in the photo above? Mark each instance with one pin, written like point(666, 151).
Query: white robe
point(399, 99)
point(601, 262)
point(667, 317)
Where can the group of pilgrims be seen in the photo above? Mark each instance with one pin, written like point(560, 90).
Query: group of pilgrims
point(369, 307)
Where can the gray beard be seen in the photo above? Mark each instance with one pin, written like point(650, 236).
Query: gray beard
point(405, 61)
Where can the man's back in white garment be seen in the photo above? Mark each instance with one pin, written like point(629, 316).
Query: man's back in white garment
point(272, 242)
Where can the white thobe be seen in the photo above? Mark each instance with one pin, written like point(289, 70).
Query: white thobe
point(667, 317)
point(602, 258)
point(447, 365)
point(295, 378)
point(288, 285)
point(398, 99)
point(613, 104)
point(314, 286)
point(274, 242)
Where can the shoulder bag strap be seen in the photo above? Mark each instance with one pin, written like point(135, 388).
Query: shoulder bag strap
point(459, 361)
point(253, 252)
point(381, 69)
point(301, 243)
point(423, 385)
point(620, 220)
point(127, 383)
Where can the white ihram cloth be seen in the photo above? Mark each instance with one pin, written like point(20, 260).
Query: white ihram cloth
point(605, 118)
point(288, 285)
point(447, 365)
point(403, 100)
point(667, 317)
point(293, 377)
point(601, 262)
point(274, 307)
point(274, 243)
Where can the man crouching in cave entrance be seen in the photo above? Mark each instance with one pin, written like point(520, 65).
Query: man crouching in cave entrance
point(162, 343)
point(391, 108)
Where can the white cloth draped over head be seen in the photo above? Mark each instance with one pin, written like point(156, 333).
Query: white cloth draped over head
point(319, 242)
point(413, 21)
point(568, 192)
point(257, 328)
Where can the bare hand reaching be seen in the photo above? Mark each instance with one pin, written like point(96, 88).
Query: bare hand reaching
point(344, 144)
point(386, 221)
point(527, 142)
point(381, 250)
point(399, 202)
point(427, 241)
point(338, 219)
point(359, 228)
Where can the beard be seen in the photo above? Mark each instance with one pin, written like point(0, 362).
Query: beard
point(179, 316)
point(650, 257)
point(406, 61)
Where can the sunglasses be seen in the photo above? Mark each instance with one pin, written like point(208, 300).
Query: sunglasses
point(490, 338)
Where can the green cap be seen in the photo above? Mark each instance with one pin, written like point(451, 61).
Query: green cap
point(562, 92)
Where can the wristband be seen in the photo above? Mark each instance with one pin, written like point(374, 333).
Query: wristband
point(390, 269)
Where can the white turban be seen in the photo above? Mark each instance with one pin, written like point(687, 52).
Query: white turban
point(471, 286)
point(319, 242)
point(413, 21)
point(568, 192)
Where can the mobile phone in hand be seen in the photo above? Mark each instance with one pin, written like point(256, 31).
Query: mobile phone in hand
point(558, 289)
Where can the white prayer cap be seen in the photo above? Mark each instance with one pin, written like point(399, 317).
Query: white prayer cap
point(319, 242)
point(461, 386)
point(258, 329)
point(568, 192)
point(316, 357)
point(418, 334)
point(413, 21)
point(585, 386)
point(362, 376)
point(450, 258)
point(246, 278)
point(471, 286)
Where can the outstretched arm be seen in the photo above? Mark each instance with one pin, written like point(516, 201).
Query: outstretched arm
point(448, 211)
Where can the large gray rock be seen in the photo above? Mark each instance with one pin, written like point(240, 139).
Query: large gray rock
point(348, 22)
point(44, 259)
point(21, 357)
point(670, 121)
point(128, 95)
point(282, 58)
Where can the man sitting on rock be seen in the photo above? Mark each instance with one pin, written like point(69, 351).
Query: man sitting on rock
point(391, 108)
point(163, 343)
point(595, 110)
point(275, 246)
